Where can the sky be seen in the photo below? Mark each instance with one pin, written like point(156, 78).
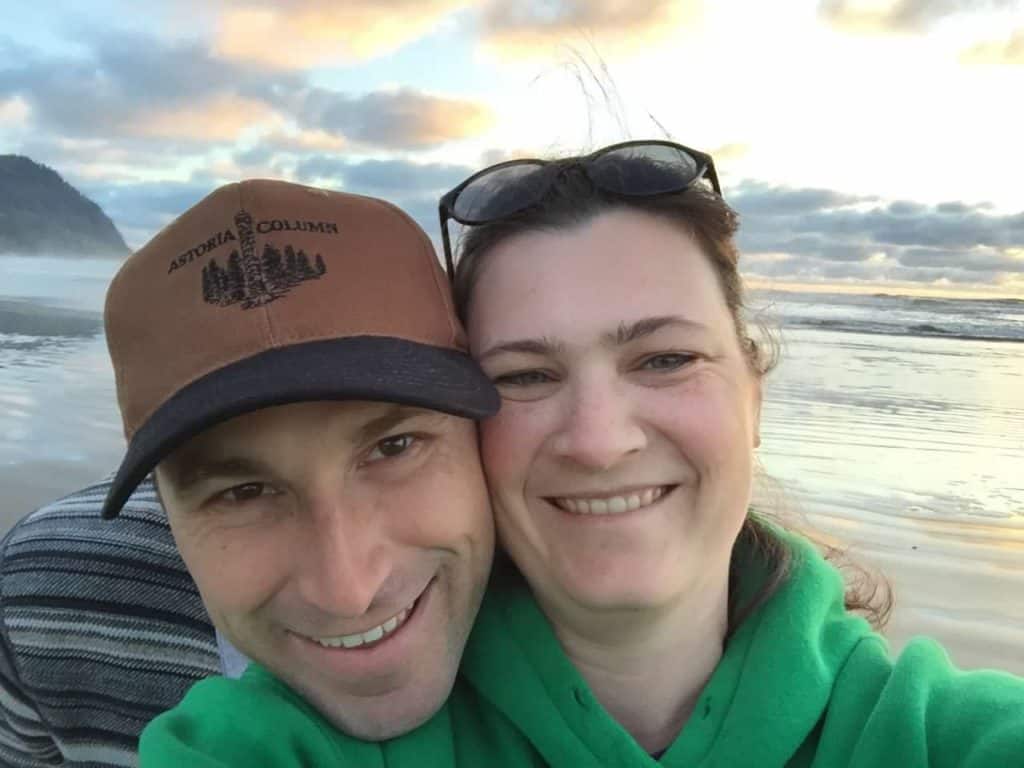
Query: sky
point(867, 144)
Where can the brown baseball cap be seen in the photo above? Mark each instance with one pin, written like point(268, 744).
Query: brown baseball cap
point(266, 293)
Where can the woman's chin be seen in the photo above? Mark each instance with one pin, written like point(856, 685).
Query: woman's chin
point(631, 589)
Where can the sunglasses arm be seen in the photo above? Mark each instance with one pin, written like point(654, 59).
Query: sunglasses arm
point(713, 177)
point(449, 263)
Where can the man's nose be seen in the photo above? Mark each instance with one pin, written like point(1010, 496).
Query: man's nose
point(598, 426)
point(345, 559)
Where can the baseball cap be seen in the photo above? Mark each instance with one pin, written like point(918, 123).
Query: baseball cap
point(266, 293)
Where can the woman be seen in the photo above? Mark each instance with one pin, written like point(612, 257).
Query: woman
point(644, 612)
point(602, 296)
point(620, 463)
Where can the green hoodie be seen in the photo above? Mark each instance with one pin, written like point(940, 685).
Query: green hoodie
point(801, 683)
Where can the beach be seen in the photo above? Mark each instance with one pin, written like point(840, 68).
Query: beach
point(893, 427)
point(908, 453)
point(58, 415)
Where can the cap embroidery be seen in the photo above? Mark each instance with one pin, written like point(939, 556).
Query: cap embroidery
point(257, 280)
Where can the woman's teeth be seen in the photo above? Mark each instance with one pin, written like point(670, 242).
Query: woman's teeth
point(369, 636)
point(610, 505)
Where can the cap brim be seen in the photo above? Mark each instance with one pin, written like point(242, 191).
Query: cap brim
point(354, 368)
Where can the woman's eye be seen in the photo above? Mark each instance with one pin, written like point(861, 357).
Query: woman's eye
point(522, 379)
point(668, 361)
point(240, 494)
point(391, 446)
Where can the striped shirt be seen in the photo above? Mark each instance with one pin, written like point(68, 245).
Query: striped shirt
point(101, 629)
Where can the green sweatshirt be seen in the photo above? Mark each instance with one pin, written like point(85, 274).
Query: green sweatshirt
point(801, 683)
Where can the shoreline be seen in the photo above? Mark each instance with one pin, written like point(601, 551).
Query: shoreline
point(34, 317)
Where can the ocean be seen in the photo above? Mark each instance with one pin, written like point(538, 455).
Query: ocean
point(893, 427)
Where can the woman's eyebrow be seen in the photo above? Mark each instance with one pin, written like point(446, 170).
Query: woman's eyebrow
point(627, 332)
point(624, 334)
point(541, 346)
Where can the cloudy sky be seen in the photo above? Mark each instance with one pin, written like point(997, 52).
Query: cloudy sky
point(864, 142)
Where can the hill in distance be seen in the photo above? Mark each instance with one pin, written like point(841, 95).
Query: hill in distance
point(42, 214)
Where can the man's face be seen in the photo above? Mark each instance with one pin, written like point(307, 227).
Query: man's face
point(343, 545)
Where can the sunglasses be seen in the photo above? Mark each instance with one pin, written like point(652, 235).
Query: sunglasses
point(629, 169)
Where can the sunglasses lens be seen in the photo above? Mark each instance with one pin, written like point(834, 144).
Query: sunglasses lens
point(500, 193)
point(644, 169)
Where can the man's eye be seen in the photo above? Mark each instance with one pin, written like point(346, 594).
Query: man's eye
point(522, 379)
point(391, 446)
point(668, 361)
point(245, 492)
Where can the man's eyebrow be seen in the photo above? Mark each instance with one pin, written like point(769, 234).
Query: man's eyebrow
point(188, 471)
point(395, 414)
point(627, 332)
point(541, 346)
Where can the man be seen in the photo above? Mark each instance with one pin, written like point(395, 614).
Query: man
point(288, 361)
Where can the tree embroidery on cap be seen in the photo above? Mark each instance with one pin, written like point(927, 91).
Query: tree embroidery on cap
point(257, 280)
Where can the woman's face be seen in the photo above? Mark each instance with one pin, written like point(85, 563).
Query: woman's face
point(620, 462)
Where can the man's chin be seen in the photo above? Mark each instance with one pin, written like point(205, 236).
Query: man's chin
point(388, 716)
point(388, 727)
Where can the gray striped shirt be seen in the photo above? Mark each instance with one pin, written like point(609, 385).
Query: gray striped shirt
point(101, 629)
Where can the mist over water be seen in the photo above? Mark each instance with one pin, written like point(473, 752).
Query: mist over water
point(893, 425)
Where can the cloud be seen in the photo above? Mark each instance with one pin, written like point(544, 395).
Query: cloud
point(978, 260)
point(125, 85)
point(304, 33)
point(901, 15)
point(528, 29)
point(1009, 51)
point(414, 187)
point(303, 141)
point(390, 177)
point(403, 118)
point(157, 95)
point(764, 199)
point(221, 118)
point(728, 153)
point(141, 209)
point(787, 234)
point(108, 160)
point(14, 111)
point(817, 234)
point(494, 156)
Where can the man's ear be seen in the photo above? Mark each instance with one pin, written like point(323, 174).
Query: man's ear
point(156, 486)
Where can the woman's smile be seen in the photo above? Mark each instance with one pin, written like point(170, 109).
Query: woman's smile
point(616, 502)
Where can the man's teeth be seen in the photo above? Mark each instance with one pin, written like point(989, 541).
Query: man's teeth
point(369, 636)
point(610, 505)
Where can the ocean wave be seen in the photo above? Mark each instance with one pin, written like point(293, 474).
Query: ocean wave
point(925, 330)
point(28, 318)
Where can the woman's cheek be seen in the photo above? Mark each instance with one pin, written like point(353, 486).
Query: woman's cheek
point(714, 427)
point(507, 445)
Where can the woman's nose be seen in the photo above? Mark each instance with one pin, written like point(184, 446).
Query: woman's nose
point(598, 426)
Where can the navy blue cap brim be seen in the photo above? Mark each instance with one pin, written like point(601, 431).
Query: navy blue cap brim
point(377, 368)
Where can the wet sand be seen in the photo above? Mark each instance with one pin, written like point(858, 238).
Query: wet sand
point(958, 582)
point(29, 485)
point(955, 581)
point(909, 453)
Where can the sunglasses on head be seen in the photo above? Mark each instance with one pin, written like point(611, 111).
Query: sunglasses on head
point(629, 169)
